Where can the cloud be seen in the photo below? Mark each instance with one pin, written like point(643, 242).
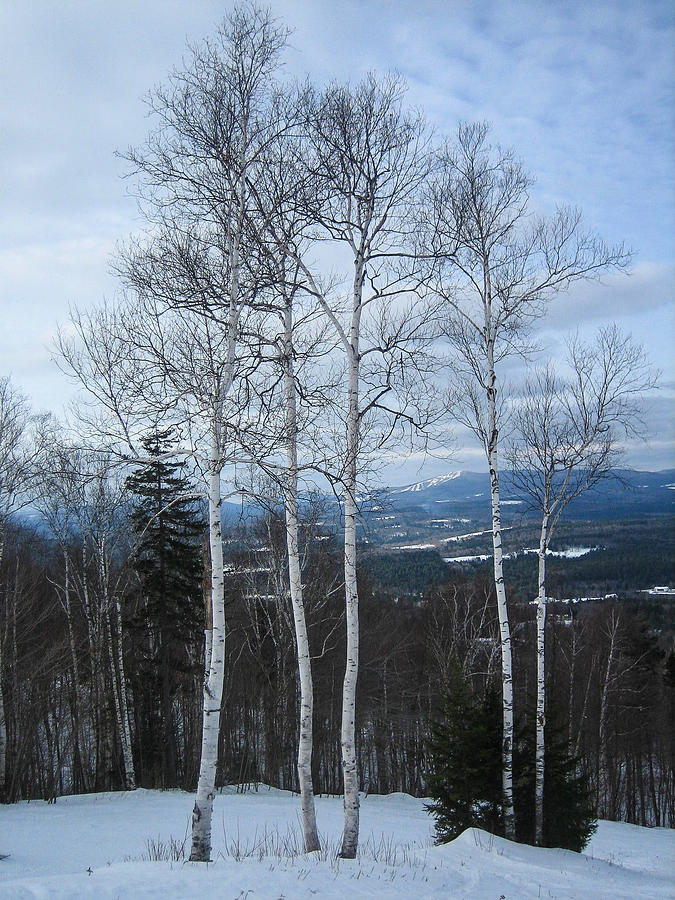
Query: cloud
point(646, 287)
point(40, 282)
point(583, 91)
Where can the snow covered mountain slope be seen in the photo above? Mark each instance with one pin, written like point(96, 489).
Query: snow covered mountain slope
point(429, 483)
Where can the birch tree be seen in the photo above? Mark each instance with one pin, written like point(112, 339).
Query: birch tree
point(144, 363)
point(566, 438)
point(303, 403)
point(286, 195)
point(496, 268)
point(59, 502)
point(196, 283)
point(310, 830)
point(369, 157)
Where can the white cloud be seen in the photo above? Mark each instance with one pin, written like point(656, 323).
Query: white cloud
point(582, 90)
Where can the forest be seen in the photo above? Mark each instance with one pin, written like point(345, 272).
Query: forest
point(320, 281)
point(63, 677)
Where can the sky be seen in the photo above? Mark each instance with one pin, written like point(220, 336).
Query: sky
point(582, 91)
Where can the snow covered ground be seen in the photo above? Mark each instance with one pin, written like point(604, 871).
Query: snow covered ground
point(97, 846)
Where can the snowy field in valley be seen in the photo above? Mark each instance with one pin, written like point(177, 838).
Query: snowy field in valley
point(98, 846)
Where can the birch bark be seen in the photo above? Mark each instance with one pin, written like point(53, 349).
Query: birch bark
point(506, 649)
point(124, 702)
point(213, 682)
point(304, 764)
point(350, 834)
point(539, 770)
point(116, 676)
point(208, 633)
point(498, 565)
point(222, 378)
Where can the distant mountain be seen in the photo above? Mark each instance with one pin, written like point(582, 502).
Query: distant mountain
point(462, 494)
point(625, 494)
point(465, 488)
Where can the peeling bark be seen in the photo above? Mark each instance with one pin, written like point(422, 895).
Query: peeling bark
point(130, 772)
point(539, 769)
point(502, 608)
point(213, 683)
point(304, 762)
point(350, 836)
point(506, 653)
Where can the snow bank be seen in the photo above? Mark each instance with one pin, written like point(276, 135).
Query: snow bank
point(93, 846)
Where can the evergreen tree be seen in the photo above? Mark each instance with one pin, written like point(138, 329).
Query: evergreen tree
point(168, 622)
point(465, 755)
point(569, 816)
point(464, 778)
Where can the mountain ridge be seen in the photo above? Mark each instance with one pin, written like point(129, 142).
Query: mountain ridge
point(627, 492)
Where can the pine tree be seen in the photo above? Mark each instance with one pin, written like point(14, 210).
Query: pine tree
point(169, 620)
point(465, 756)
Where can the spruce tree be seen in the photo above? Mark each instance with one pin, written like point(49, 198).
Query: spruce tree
point(465, 755)
point(569, 815)
point(464, 776)
point(169, 620)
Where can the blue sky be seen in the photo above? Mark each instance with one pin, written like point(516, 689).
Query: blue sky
point(583, 91)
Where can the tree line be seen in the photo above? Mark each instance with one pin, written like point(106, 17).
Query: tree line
point(306, 254)
point(609, 683)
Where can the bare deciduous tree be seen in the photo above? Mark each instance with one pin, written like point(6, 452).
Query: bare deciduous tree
point(566, 438)
point(149, 363)
point(496, 268)
point(369, 157)
point(17, 456)
point(172, 355)
point(282, 193)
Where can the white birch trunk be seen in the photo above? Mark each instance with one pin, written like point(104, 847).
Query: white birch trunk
point(502, 609)
point(603, 737)
point(310, 831)
point(213, 682)
point(129, 769)
point(350, 835)
point(539, 766)
point(122, 728)
point(117, 687)
point(208, 634)
point(214, 644)
point(78, 738)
